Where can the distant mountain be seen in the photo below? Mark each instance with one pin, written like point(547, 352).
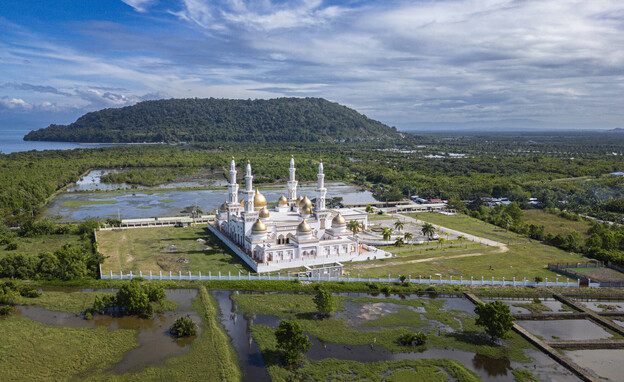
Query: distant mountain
point(616, 130)
point(220, 120)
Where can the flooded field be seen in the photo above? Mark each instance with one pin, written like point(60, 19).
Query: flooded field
point(566, 329)
point(605, 364)
point(171, 202)
point(238, 326)
point(543, 305)
point(93, 181)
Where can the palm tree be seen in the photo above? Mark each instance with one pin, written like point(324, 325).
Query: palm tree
point(461, 239)
point(399, 243)
point(398, 225)
point(369, 209)
point(441, 241)
point(428, 230)
point(407, 236)
point(387, 234)
point(354, 227)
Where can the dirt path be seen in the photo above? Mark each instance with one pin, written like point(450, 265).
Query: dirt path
point(385, 264)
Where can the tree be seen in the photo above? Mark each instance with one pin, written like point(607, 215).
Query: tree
point(387, 234)
point(399, 242)
point(354, 227)
point(133, 299)
point(398, 225)
point(407, 237)
point(291, 340)
point(441, 241)
point(461, 239)
point(369, 209)
point(495, 318)
point(428, 230)
point(324, 302)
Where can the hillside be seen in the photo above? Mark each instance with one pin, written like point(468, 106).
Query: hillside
point(220, 120)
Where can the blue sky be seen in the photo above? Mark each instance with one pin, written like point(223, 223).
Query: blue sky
point(411, 64)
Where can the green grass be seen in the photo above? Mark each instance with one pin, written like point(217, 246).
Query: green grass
point(146, 249)
point(533, 307)
point(74, 302)
point(337, 370)
point(143, 207)
point(166, 200)
point(471, 226)
point(554, 224)
point(30, 351)
point(78, 203)
point(373, 217)
point(36, 245)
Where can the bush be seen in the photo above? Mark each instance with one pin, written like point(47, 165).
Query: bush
point(26, 291)
point(4, 310)
point(155, 293)
point(88, 316)
point(11, 246)
point(411, 339)
point(183, 327)
point(291, 340)
point(324, 302)
point(132, 299)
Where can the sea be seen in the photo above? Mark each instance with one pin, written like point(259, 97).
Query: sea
point(12, 140)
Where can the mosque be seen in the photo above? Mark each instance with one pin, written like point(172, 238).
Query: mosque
point(292, 234)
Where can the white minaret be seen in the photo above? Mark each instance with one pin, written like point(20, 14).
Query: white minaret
point(292, 183)
point(233, 186)
point(249, 191)
point(320, 189)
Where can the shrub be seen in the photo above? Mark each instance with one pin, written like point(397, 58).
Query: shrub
point(291, 340)
point(11, 246)
point(324, 302)
point(155, 293)
point(132, 299)
point(183, 327)
point(4, 310)
point(411, 339)
point(26, 291)
point(88, 316)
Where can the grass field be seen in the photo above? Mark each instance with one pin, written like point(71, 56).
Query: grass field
point(470, 225)
point(150, 249)
point(523, 258)
point(35, 245)
point(555, 224)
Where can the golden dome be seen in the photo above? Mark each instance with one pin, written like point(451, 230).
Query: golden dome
point(264, 213)
point(259, 200)
point(305, 202)
point(306, 210)
point(258, 227)
point(304, 227)
point(282, 201)
point(299, 199)
point(338, 221)
point(223, 207)
point(242, 202)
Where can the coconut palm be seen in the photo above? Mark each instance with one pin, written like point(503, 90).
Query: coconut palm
point(369, 209)
point(387, 234)
point(441, 241)
point(407, 236)
point(428, 230)
point(354, 227)
point(398, 225)
point(399, 243)
point(461, 239)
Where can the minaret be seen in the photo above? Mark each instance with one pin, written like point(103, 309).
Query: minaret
point(320, 189)
point(233, 186)
point(249, 191)
point(292, 183)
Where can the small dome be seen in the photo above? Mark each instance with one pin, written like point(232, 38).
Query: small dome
point(259, 200)
point(299, 199)
point(338, 221)
point(258, 227)
point(264, 213)
point(223, 207)
point(304, 227)
point(306, 210)
point(282, 201)
point(305, 202)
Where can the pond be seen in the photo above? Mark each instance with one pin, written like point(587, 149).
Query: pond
point(171, 202)
point(550, 305)
point(606, 364)
point(93, 181)
point(565, 329)
point(238, 325)
point(155, 342)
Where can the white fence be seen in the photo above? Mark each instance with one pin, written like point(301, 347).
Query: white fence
point(279, 277)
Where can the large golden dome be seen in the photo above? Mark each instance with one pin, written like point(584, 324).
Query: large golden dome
point(306, 210)
point(259, 200)
point(282, 201)
point(264, 213)
point(338, 221)
point(299, 199)
point(258, 227)
point(305, 202)
point(304, 227)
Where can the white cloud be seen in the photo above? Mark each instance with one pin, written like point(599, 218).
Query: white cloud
point(139, 5)
point(14, 103)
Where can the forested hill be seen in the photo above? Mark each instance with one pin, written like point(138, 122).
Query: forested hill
point(220, 120)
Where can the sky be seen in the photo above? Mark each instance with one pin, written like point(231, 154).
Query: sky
point(410, 64)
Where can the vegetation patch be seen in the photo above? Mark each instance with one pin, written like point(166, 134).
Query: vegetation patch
point(79, 203)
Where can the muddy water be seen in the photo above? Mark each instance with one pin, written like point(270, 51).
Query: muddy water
point(554, 305)
point(566, 329)
point(238, 326)
point(606, 364)
point(612, 306)
point(155, 343)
